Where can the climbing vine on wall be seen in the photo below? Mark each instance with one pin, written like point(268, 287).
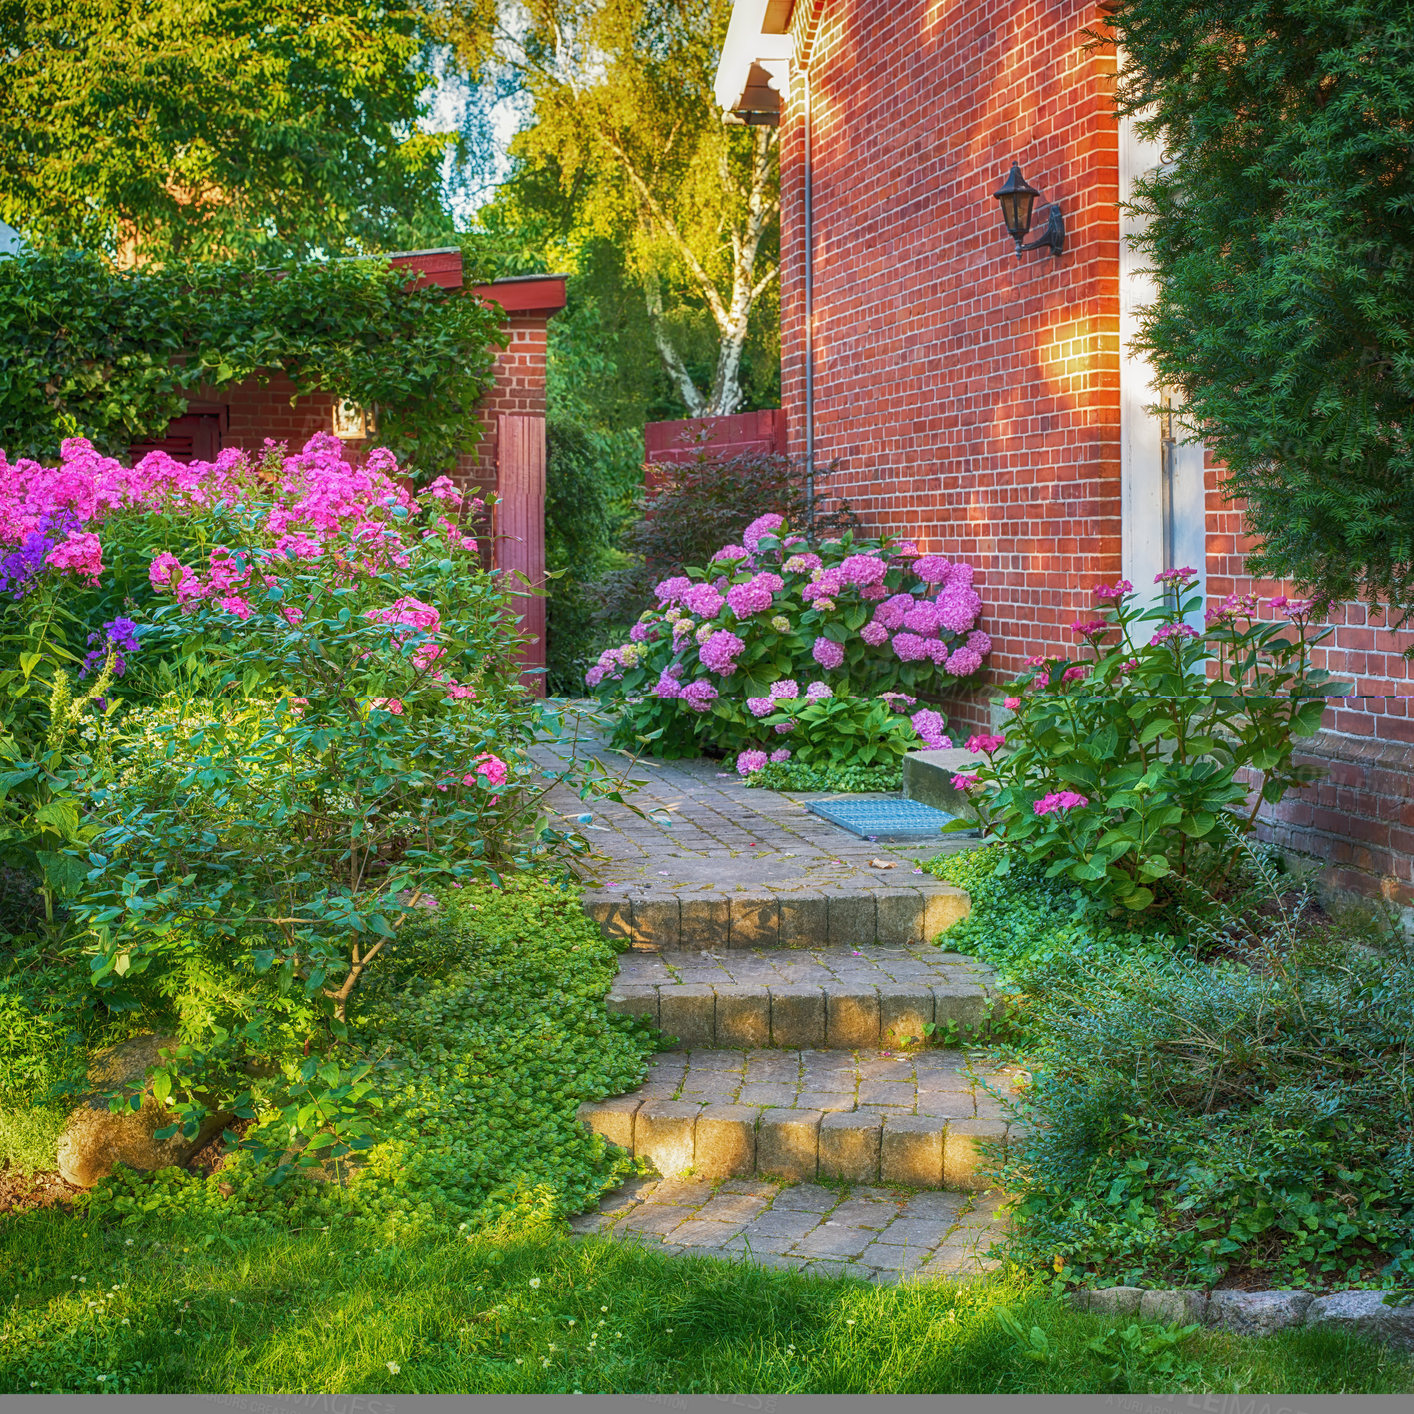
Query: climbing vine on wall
point(114, 355)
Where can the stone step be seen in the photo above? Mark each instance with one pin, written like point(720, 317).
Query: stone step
point(779, 918)
point(918, 1121)
point(834, 997)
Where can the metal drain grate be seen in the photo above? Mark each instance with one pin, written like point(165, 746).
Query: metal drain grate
point(883, 819)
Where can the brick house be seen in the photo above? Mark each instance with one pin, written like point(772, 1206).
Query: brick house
point(509, 458)
point(988, 405)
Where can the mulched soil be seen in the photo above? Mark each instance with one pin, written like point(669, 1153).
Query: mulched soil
point(18, 1193)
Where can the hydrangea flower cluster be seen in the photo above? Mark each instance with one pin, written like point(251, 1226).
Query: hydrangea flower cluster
point(850, 617)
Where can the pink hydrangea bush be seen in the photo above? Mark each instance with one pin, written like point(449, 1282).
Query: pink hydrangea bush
point(1139, 771)
point(854, 618)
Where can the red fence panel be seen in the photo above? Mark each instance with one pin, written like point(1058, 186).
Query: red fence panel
point(670, 443)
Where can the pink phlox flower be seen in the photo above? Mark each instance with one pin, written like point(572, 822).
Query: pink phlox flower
point(963, 781)
point(237, 605)
point(1128, 666)
point(166, 571)
point(699, 695)
point(1177, 576)
point(1114, 591)
point(491, 770)
point(1074, 673)
point(292, 614)
point(719, 653)
point(1178, 630)
point(827, 653)
point(704, 601)
point(861, 570)
point(805, 562)
point(892, 611)
point(81, 553)
point(929, 726)
point(985, 743)
point(933, 569)
point(749, 761)
point(410, 613)
point(909, 647)
point(761, 527)
point(442, 489)
point(1090, 628)
point(1035, 661)
point(671, 591)
point(1059, 800)
point(958, 607)
point(923, 618)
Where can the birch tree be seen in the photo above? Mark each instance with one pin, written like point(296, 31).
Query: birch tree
point(624, 109)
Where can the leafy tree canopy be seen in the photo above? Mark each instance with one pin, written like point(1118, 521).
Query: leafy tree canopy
point(1282, 238)
point(209, 129)
point(626, 126)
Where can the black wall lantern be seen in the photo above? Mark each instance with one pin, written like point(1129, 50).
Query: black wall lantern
point(1017, 198)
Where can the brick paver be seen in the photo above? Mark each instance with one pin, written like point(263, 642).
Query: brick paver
point(702, 831)
point(878, 1234)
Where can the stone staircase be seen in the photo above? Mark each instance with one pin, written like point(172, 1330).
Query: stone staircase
point(799, 1021)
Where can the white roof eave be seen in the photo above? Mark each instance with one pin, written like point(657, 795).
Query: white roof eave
point(744, 46)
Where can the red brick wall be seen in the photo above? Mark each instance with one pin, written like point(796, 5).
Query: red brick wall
point(971, 400)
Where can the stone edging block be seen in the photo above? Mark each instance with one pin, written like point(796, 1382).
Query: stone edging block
point(891, 915)
point(1258, 1312)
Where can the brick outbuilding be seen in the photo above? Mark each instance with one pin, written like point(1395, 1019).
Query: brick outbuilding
point(509, 458)
point(991, 407)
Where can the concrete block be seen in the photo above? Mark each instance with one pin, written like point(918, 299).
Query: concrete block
point(743, 1017)
point(612, 1118)
point(852, 920)
point(851, 1018)
point(704, 921)
point(903, 1013)
point(963, 1003)
point(912, 1151)
point(1257, 1312)
point(805, 920)
point(1174, 1308)
point(689, 1012)
point(970, 1147)
point(849, 1146)
point(943, 905)
point(1110, 1300)
point(797, 1016)
point(898, 916)
point(788, 1143)
point(634, 1001)
point(725, 1142)
point(663, 1134)
point(657, 920)
point(755, 921)
point(1365, 1313)
point(613, 915)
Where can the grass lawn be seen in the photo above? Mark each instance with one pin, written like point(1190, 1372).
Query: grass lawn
point(90, 1307)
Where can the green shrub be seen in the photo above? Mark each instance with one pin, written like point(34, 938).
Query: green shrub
point(794, 776)
point(1245, 1115)
point(1131, 772)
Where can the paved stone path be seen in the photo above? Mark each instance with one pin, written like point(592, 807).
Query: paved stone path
point(879, 1234)
point(793, 963)
point(703, 829)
